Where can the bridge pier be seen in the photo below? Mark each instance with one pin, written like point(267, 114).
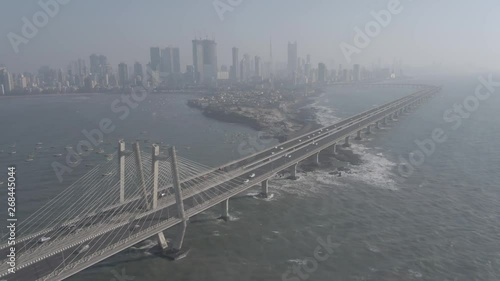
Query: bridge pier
point(334, 148)
point(265, 188)
point(225, 210)
point(346, 142)
point(377, 125)
point(174, 252)
point(294, 171)
point(358, 136)
point(369, 129)
point(316, 158)
point(162, 242)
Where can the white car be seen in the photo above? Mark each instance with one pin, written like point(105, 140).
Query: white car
point(44, 239)
point(246, 181)
point(281, 148)
point(84, 248)
point(252, 175)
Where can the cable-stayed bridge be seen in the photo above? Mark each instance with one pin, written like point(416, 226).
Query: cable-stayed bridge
point(120, 203)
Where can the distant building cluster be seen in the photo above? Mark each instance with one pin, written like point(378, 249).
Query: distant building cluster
point(164, 72)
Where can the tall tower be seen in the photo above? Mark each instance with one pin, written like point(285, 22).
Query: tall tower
point(257, 67)
point(166, 60)
point(205, 60)
point(235, 73)
point(292, 60)
point(123, 74)
point(198, 60)
point(155, 58)
point(321, 72)
point(176, 60)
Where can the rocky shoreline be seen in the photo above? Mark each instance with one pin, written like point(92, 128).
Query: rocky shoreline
point(277, 116)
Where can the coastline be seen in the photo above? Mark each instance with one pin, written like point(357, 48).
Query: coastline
point(290, 119)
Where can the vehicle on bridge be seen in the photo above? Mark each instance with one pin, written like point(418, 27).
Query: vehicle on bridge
point(44, 239)
point(83, 249)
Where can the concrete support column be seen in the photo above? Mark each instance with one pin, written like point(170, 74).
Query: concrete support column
point(162, 242)
point(346, 142)
point(358, 136)
point(317, 158)
point(154, 169)
point(265, 188)
point(369, 129)
point(377, 125)
point(334, 148)
point(140, 171)
point(179, 239)
point(294, 170)
point(121, 167)
point(225, 210)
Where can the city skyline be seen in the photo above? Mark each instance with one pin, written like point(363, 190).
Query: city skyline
point(418, 25)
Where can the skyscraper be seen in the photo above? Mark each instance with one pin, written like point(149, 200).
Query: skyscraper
point(155, 58)
point(166, 60)
point(94, 64)
point(123, 74)
point(321, 72)
point(138, 70)
point(257, 67)
point(6, 82)
point(292, 60)
point(176, 60)
point(205, 60)
point(235, 73)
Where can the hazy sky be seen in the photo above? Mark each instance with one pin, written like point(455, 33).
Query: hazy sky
point(452, 32)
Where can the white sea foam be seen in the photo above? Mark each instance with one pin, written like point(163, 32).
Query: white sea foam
point(375, 170)
point(325, 115)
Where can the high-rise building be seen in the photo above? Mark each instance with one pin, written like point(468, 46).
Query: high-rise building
point(292, 60)
point(123, 74)
point(166, 60)
point(6, 81)
point(154, 53)
point(235, 73)
point(94, 64)
point(321, 72)
point(138, 70)
point(257, 67)
point(176, 60)
point(205, 60)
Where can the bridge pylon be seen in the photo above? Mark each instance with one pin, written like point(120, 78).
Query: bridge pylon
point(179, 202)
point(121, 167)
point(140, 171)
